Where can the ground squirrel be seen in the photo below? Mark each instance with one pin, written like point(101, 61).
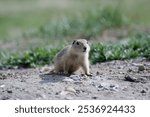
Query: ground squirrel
point(73, 57)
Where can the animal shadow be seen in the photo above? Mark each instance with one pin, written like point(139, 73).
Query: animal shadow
point(46, 78)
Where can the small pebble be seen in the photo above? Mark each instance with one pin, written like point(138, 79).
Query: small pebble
point(22, 80)
point(68, 80)
point(97, 73)
point(143, 91)
point(94, 97)
point(70, 89)
point(114, 87)
point(3, 76)
point(141, 68)
point(130, 78)
point(78, 82)
point(129, 70)
point(43, 96)
point(2, 86)
point(75, 77)
point(63, 93)
point(9, 91)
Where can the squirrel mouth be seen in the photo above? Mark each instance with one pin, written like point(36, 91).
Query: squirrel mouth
point(84, 49)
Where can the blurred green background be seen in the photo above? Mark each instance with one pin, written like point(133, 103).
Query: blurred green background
point(21, 15)
point(28, 24)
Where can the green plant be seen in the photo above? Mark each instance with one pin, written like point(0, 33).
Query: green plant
point(97, 53)
point(86, 24)
point(33, 58)
point(136, 46)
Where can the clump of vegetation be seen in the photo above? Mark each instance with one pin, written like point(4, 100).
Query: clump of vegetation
point(33, 58)
point(86, 25)
point(135, 46)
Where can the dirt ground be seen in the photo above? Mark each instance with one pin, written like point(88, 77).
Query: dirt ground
point(111, 80)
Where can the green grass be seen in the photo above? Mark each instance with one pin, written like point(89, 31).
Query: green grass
point(89, 24)
point(136, 46)
point(19, 15)
point(33, 58)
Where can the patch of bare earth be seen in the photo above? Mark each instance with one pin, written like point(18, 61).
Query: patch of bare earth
point(111, 80)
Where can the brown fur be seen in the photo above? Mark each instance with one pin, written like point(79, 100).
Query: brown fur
point(72, 57)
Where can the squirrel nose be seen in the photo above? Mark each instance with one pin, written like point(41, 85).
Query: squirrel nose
point(84, 48)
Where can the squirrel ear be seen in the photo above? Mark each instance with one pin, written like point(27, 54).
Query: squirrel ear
point(74, 42)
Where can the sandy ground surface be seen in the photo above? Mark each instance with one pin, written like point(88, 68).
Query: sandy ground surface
point(111, 80)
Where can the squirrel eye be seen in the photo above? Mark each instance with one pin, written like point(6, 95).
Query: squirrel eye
point(74, 41)
point(77, 43)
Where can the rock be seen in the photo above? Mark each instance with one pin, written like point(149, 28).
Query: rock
point(136, 64)
point(93, 84)
point(10, 74)
point(63, 93)
point(78, 82)
point(133, 78)
point(70, 89)
point(75, 77)
point(22, 80)
point(3, 76)
point(94, 97)
point(101, 86)
point(146, 89)
point(9, 91)
point(2, 86)
point(141, 68)
point(68, 80)
point(125, 88)
point(107, 86)
point(114, 87)
point(143, 91)
point(78, 91)
point(130, 78)
point(57, 93)
point(97, 73)
point(41, 96)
